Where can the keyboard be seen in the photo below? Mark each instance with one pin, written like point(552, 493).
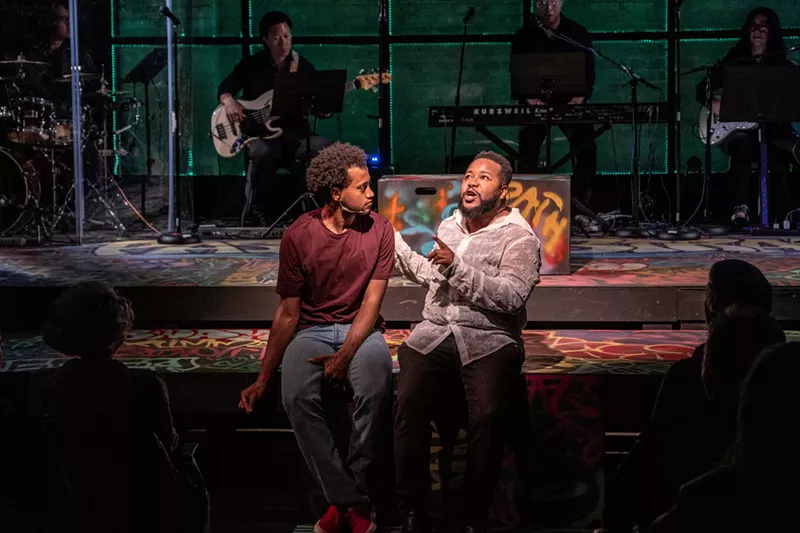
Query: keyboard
point(526, 115)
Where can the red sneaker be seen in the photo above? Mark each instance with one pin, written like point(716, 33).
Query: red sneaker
point(361, 520)
point(331, 522)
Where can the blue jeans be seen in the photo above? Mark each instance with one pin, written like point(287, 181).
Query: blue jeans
point(343, 479)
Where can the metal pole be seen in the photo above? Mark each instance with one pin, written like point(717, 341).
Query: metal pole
point(677, 96)
point(77, 126)
point(384, 106)
point(171, 111)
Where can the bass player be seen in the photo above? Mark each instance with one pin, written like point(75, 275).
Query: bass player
point(253, 76)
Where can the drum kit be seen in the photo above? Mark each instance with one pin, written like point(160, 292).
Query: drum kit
point(36, 143)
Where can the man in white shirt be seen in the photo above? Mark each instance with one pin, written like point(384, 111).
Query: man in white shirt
point(479, 278)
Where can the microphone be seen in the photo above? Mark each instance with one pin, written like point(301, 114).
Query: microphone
point(546, 29)
point(350, 211)
point(468, 15)
point(167, 12)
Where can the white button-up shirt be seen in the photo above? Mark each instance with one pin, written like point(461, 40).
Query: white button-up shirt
point(480, 299)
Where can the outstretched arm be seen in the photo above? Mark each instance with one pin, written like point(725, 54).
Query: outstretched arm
point(280, 335)
point(412, 265)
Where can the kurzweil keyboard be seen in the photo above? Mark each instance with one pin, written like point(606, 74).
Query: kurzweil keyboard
point(525, 115)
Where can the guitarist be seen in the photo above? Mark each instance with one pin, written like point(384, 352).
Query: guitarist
point(253, 76)
point(761, 36)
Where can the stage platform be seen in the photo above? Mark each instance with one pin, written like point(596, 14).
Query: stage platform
point(613, 281)
point(238, 351)
point(231, 357)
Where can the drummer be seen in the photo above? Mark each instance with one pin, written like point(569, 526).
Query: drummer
point(53, 80)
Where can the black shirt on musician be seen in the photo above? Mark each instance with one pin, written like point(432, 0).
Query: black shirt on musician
point(532, 40)
point(255, 75)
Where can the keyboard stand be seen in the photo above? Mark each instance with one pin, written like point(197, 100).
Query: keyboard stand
point(578, 149)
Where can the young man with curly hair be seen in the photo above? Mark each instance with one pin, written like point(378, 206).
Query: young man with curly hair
point(469, 347)
point(335, 263)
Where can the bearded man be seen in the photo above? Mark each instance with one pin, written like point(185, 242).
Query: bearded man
point(469, 347)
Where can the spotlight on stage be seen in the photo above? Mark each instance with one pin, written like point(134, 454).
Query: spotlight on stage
point(373, 160)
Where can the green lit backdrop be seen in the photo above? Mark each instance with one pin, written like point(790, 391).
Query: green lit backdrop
point(423, 52)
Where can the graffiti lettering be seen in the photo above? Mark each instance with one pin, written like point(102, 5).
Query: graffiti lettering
point(554, 231)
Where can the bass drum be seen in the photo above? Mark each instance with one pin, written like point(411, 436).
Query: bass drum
point(19, 192)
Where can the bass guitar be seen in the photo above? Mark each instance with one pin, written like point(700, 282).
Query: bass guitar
point(229, 140)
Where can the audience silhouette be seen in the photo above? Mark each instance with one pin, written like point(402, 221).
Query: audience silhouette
point(109, 428)
point(755, 489)
point(687, 435)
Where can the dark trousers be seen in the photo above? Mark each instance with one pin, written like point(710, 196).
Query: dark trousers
point(584, 166)
point(263, 196)
point(744, 150)
point(436, 387)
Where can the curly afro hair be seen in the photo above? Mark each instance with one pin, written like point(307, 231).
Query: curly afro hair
point(506, 172)
point(90, 320)
point(329, 168)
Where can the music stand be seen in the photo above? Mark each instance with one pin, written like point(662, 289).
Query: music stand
point(545, 76)
point(764, 95)
point(297, 96)
point(548, 76)
point(145, 70)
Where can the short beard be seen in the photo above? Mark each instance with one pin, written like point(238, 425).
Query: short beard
point(481, 209)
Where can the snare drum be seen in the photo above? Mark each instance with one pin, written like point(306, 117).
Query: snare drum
point(62, 133)
point(33, 120)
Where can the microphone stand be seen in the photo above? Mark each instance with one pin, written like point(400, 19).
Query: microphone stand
point(467, 17)
point(633, 80)
point(174, 234)
point(677, 231)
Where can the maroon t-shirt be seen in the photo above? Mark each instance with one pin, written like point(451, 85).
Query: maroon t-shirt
point(330, 272)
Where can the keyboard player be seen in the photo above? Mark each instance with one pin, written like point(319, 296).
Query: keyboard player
point(530, 39)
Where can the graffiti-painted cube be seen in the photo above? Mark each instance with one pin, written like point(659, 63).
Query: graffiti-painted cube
point(416, 205)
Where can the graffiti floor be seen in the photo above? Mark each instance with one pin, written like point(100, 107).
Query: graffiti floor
point(595, 262)
point(238, 350)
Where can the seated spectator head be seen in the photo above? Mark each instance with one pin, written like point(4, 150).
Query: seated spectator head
point(89, 320)
point(736, 338)
point(769, 402)
point(733, 281)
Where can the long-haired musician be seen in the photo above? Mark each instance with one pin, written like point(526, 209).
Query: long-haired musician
point(761, 42)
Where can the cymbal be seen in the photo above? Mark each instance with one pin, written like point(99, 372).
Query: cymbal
point(105, 92)
point(20, 61)
point(84, 76)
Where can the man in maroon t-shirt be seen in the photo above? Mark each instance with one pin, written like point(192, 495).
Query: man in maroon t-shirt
point(335, 263)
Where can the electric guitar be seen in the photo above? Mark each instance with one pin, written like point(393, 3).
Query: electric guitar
point(720, 130)
point(229, 140)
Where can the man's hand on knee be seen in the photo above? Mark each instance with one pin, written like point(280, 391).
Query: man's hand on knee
point(336, 365)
